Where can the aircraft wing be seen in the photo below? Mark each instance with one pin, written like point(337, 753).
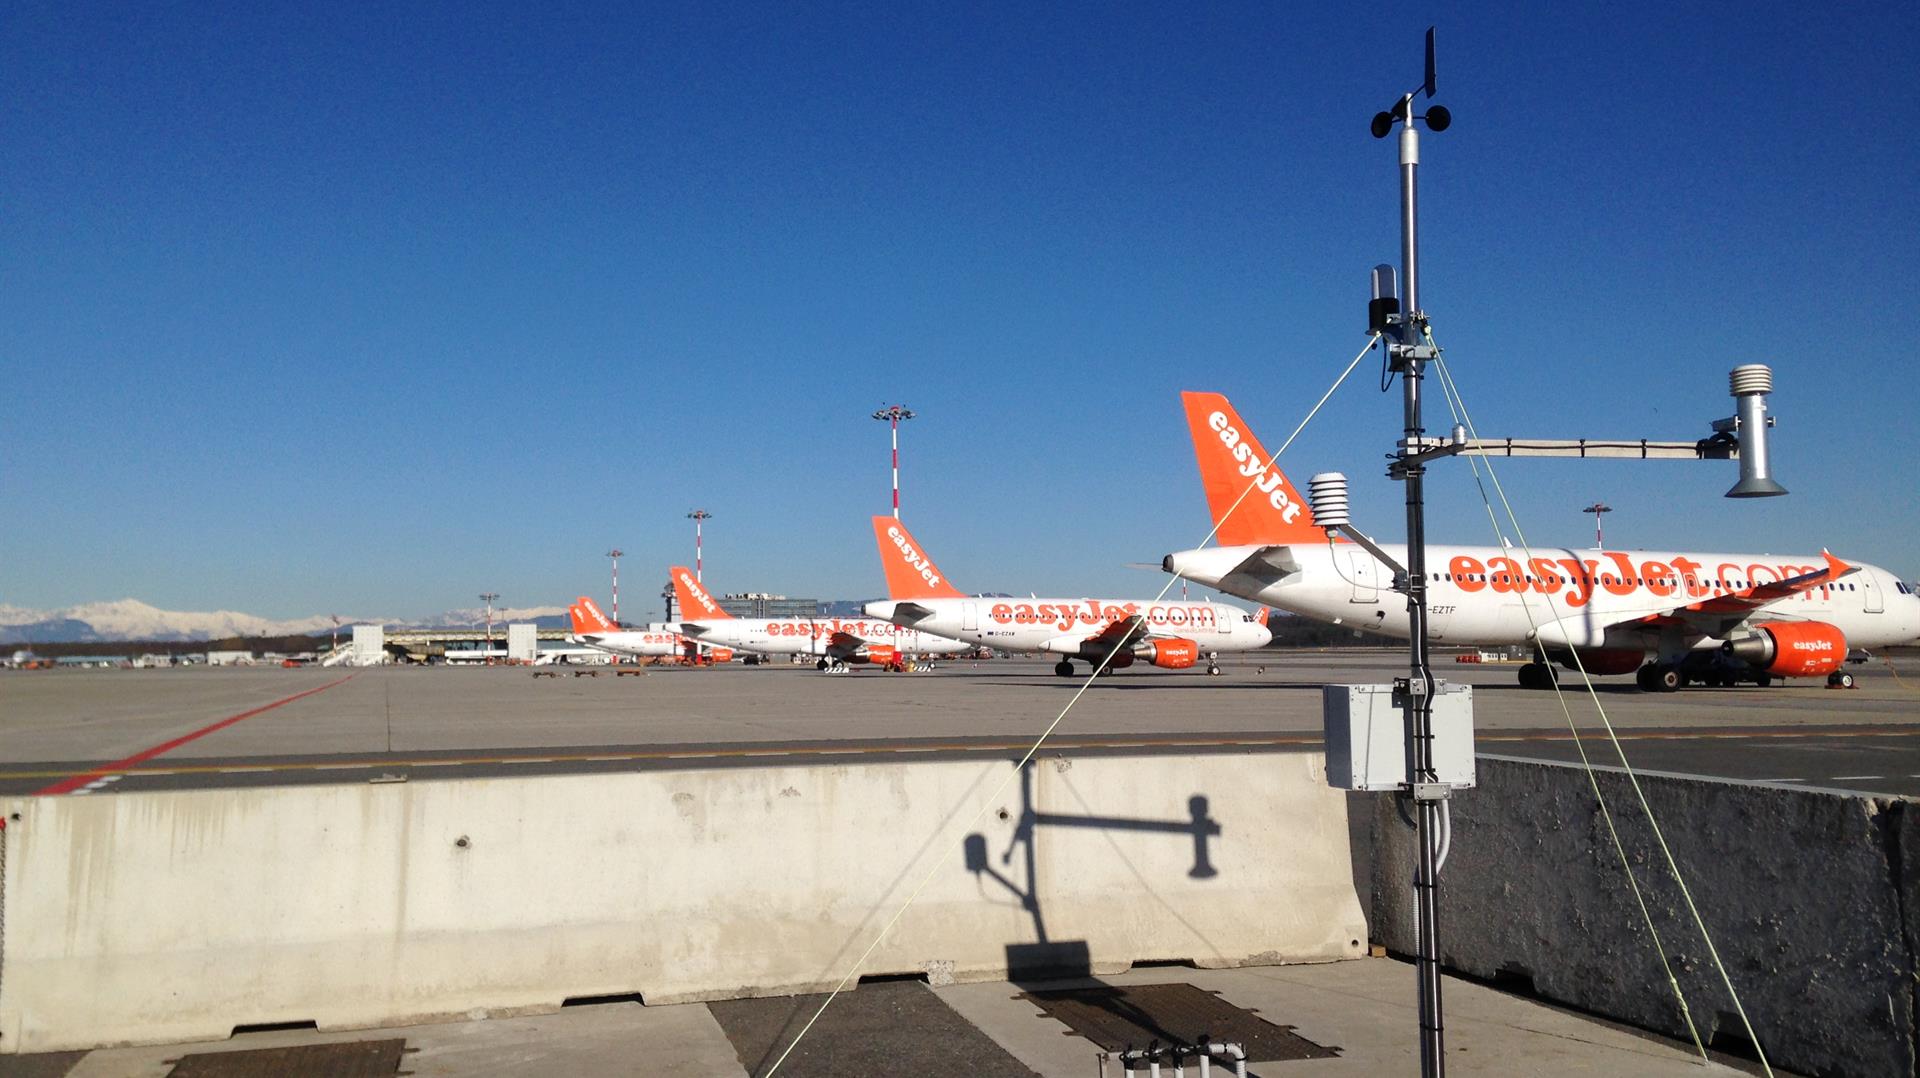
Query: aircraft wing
point(1716, 614)
point(693, 629)
point(1122, 633)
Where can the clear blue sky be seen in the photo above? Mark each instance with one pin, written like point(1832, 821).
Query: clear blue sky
point(371, 309)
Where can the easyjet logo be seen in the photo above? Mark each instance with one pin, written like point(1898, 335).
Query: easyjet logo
point(1813, 645)
point(593, 609)
point(699, 594)
point(1064, 616)
point(1582, 578)
point(915, 560)
point(1249, 464)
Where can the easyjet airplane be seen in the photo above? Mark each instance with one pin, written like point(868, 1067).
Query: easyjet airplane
point(839, 642)
point(1170, 634)
point(1671, 617)
point(594, 629)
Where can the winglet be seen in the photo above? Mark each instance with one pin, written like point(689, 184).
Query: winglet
point(1251, 503)
point(589, 618)
point(1835, 567)
point(695, 603)
point(910, 573)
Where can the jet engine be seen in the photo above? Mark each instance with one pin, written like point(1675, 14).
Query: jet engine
point(1792, 648)
point(1172, 654)
point(878, 654)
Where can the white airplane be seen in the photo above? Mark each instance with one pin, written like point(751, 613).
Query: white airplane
point(839, 642)
point(596, 630)
point(1174, 635)
point(1669, 616)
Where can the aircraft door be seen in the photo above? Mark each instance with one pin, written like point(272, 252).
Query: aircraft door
point(1870, 593)
point(969, 619)
point(1361, 570)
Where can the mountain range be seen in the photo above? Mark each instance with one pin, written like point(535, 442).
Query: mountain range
point(131, 619)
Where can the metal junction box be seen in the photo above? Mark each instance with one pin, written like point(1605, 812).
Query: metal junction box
point(1367, 739)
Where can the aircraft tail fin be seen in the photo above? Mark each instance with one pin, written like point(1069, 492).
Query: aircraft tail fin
point(1261, 617)
point(910, 573)
point(1252, 504)
point(695, 602)
point(587, 617)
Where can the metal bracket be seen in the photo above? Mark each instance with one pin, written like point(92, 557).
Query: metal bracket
point(1431, 791)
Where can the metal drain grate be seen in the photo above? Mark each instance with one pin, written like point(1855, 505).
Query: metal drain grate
point(349, 1059)
point(1117, 1018)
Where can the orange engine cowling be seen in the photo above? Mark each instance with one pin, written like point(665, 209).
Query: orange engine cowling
point(1792, 648)
point(879, 654)
point(1172, 654)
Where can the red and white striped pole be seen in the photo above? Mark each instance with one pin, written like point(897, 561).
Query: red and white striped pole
point(893, 414)
point(698, 516)
point(615, 555)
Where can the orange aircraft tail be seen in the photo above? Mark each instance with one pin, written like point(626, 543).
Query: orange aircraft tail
point(695, 603)
point(1261, 617)
point(910, 573)
point(587, 617)
point(1252, 503)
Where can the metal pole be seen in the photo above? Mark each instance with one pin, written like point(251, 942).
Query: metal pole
point(1418, 706)
point(698, 516)
point(615, 555)
point(893, 424)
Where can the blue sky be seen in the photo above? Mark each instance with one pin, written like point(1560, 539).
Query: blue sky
point(370, 309)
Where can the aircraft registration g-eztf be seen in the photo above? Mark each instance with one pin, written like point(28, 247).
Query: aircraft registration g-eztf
point(1121, 631)
point(839, 642)
point(1669, 616)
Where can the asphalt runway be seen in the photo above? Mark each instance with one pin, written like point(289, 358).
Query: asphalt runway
point(95, 732)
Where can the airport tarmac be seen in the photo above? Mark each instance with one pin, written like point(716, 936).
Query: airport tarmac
point(88, 732)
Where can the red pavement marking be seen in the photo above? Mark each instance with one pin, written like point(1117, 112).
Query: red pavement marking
point(74, 782)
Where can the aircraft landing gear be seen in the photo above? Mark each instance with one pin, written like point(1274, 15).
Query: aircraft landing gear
point(1537, 676)
point(1659, 677)
point(821, 665)
point(1063, 668)
point(1839, 679)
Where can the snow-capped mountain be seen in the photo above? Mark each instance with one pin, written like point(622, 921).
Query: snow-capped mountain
point(131, 619)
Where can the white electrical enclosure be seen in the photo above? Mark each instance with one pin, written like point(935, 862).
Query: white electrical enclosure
point(523, 643)
point(1366, 736)
point(369, 645)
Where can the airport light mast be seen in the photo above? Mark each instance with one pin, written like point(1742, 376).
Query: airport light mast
point(1596, 509)
point(894, 415)
point(699, 517)
point(488, 597)
point(615, 555)
point(666, 594)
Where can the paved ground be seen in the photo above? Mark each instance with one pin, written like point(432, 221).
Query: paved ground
point(1362, 1010)
point(96, 731)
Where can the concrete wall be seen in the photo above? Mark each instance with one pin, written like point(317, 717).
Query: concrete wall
point(1811, 897)
point(148, 917)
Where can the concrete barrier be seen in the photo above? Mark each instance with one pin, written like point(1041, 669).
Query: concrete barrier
point(1810, 896)
point(150, 917)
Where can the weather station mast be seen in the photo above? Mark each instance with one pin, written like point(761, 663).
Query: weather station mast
point(1408, 352)
point(1435, 719)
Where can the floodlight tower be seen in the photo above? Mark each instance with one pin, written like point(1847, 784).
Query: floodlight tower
point(1405, 327)
point(615, 555)
point(666, 595)
point(699, 517)
point(488, 597)
point(1597, 508)
point(894, 415)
